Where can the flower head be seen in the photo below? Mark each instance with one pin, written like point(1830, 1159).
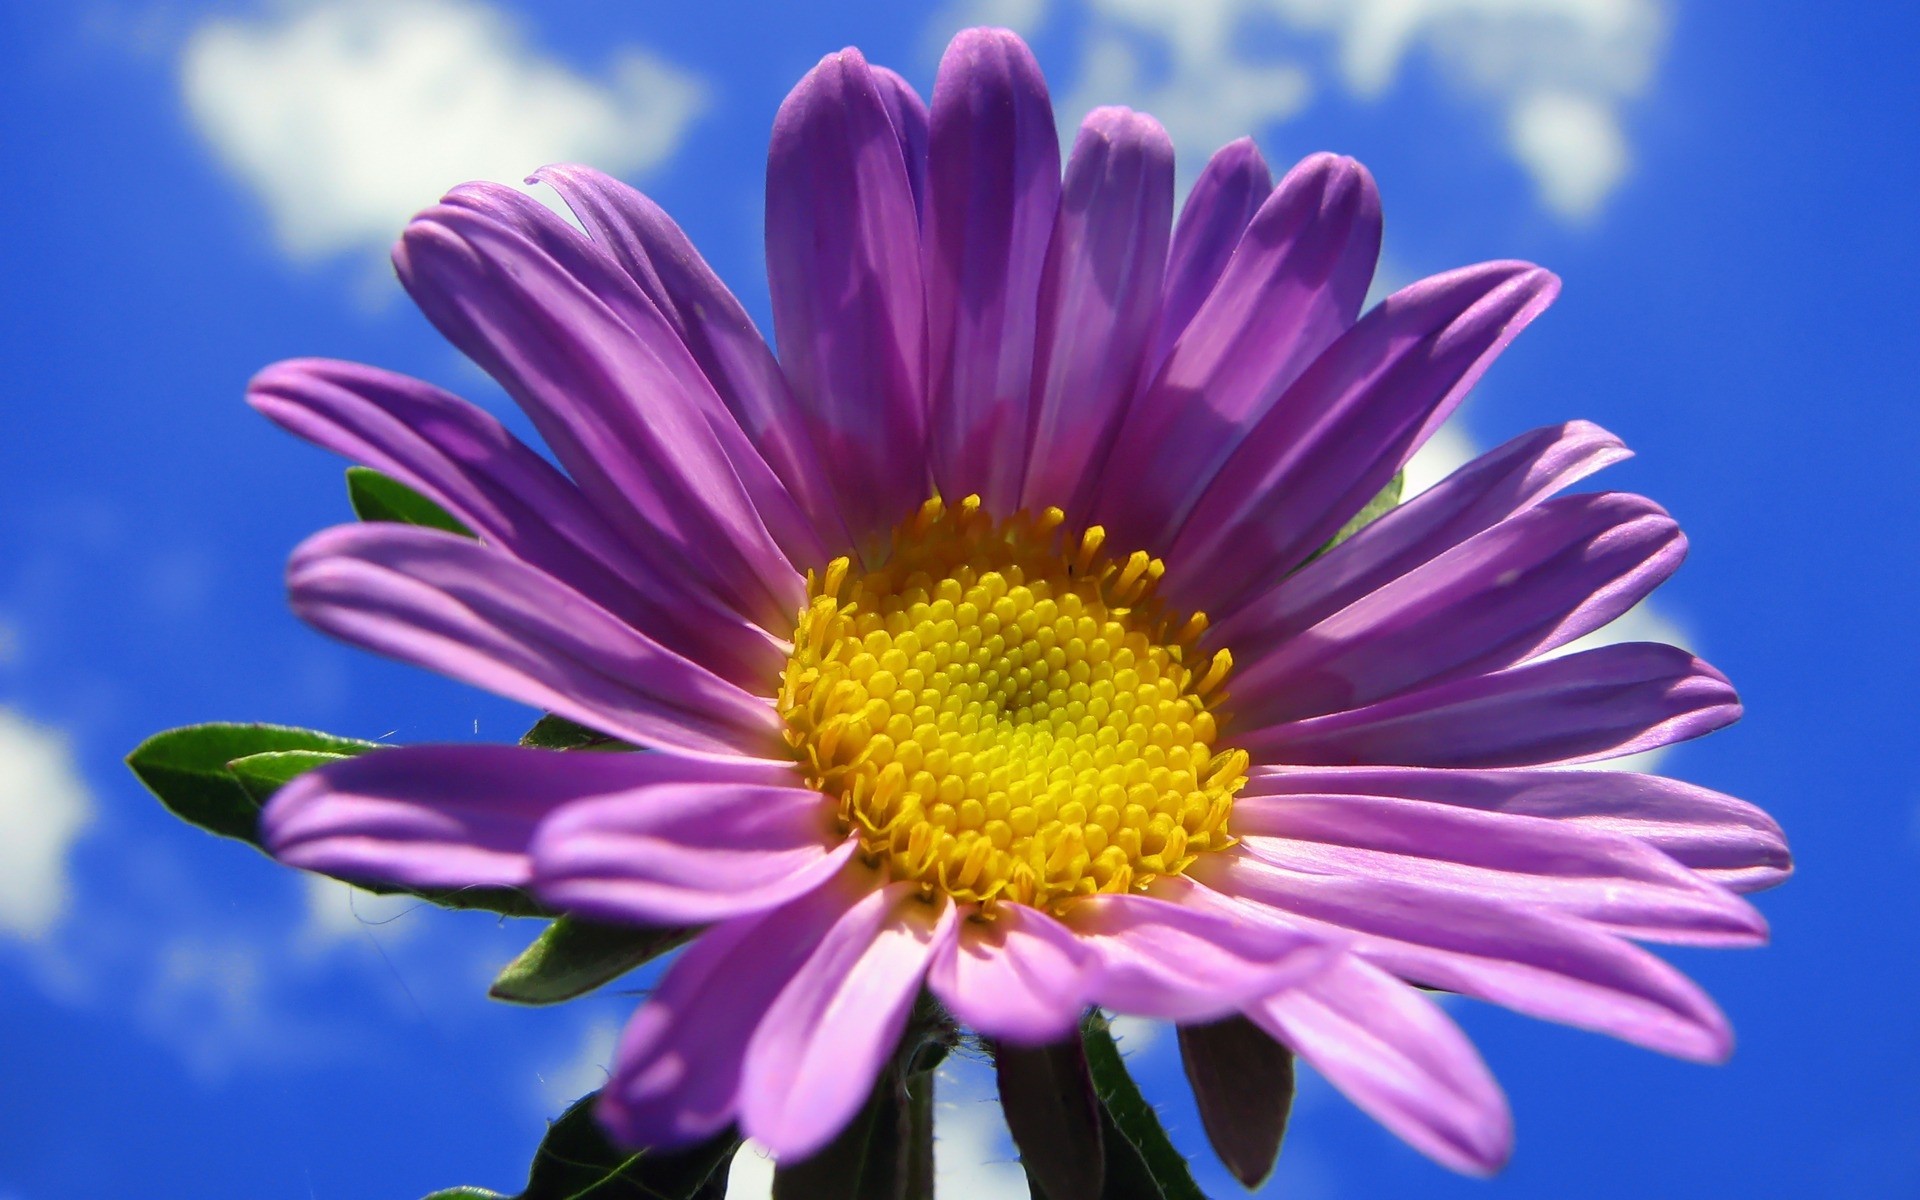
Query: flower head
point(984, 641)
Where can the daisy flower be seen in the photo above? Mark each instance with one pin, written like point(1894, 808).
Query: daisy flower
point(982, 642)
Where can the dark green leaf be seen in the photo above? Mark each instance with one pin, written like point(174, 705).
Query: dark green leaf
point(865, 1162)
point(1243, 1083)
point(576, 1162)
point(261, 775)
point(187, 769)
point(1379, 506)
point(377, 497)
point(557, 733)
point(1054, 1116)
point(571, 958)
point(1136, 1123)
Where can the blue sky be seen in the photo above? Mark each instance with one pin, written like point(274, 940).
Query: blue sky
point(200, 189)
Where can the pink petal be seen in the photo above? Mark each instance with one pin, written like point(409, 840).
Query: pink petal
point(814, 1058)
point(456, 816)
point(993, 184)
point(1394, 1053)
point(451, 605)
point(1022, 977)
point(1172, 959)
point(1230, 190)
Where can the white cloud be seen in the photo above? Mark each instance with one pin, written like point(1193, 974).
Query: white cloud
point(347, 116)
point(338, 912)
point(585, 1070)
point(44, 808)
point(1557, 72)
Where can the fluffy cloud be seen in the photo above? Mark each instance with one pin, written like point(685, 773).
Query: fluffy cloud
point(346, 116)
point(44, 808)
point(1557, 72)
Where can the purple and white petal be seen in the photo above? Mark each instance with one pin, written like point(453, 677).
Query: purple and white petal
point(688, 853)
point(1294, 284)
point(1164, 957)
point(1597, 704)
point(849, 310)
point(1608, 878)
point(713, 325)
point(1398, 1056)
point(1501, 483)
point(1230, 190)
point(1727, 840)
point(1346, 425)
point(677, 1072)
point(1540, 963)
point(456, 816)
point(1098, 297)
point(814, 1057)
point(1022, 977)
point(1530, 584)
point(993, 185)
point(451, 605)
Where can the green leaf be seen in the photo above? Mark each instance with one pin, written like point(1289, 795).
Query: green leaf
point(187, 769)
point(1137, 1127)
point(865, 1161)
point(377, 497)
point(571, 957)
point(1379, 506)
point(553, 732)
point(261, 775)
point(576, 1162)
point(218, 776)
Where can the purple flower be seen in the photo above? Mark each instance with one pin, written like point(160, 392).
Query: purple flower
point(911, 621)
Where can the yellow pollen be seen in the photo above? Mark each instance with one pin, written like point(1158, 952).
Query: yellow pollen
point(1003, 711)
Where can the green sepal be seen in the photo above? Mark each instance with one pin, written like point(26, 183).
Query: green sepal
point(1385, 502)
point(188, 770)
point(553, 732)
point(377, 497)
point(572, 957)
point(1141, 1162)
point(218, 776)
point(575, 1161)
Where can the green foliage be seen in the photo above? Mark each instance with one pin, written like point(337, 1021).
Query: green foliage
point(557, 733)
point(572, 957)
point(576, 1162)
point(218, 776)
point(188, 769)
point(1379, 506)
point(1141, 1162)
point(377, 497)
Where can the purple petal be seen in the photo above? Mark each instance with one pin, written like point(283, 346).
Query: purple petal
point(1608, 878)
point(993, 180)
point(454, 816)
point(1097, 300)
point(611, 389)
point(687, 854)
point(843, 262)
point(1500, 483)
point(814, 1057)
point(713, 325)
point(1395, 1054)
point(908, 113)
point(1231, 188)
point(1022, 977)
point(1294, 284)
point(453, 606)
point(1341, 431)
point(1602, 703)
point(1533, 582)
point(1725, 839)
point(677, 1074)
point(1540, 963)
point(468, 463)
point(1170, 959)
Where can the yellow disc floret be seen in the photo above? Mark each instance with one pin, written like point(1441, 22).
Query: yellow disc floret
point(1004, 712)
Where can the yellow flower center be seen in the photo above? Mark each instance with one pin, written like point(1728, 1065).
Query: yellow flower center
point(1005, 713)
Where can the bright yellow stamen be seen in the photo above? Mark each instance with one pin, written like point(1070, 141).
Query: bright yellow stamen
point(1006, 713)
